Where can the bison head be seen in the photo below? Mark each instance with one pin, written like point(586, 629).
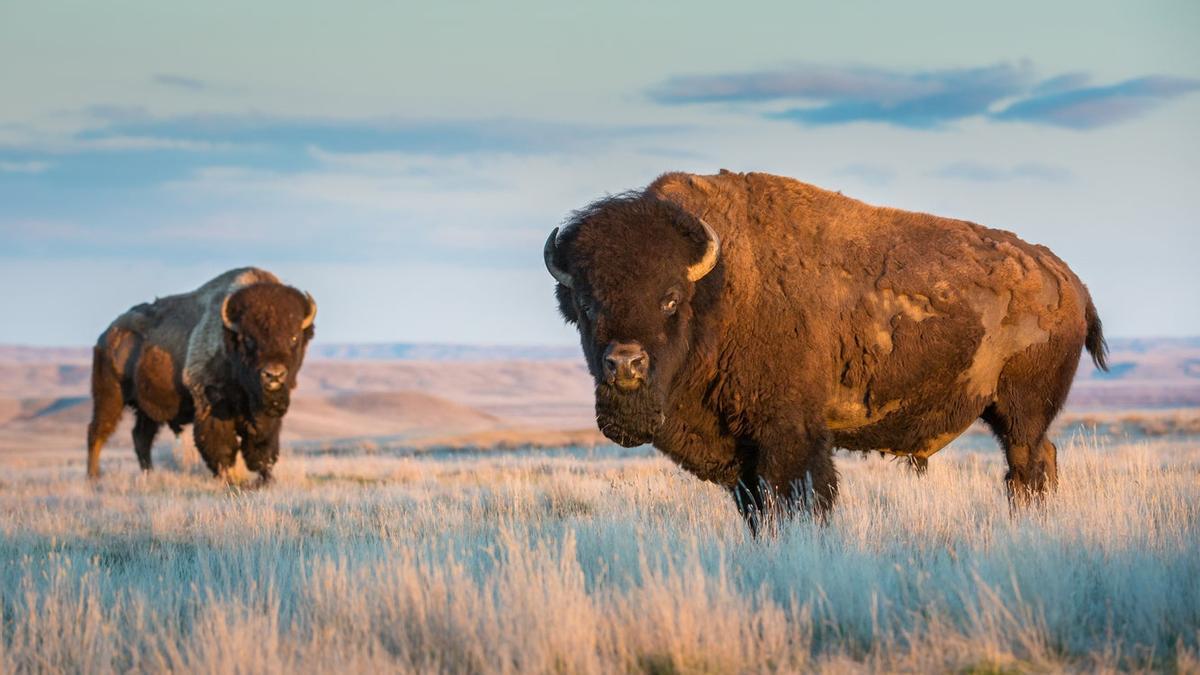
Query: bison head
point(628, 270)
point(267, 329)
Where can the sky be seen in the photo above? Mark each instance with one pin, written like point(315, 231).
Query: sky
point(404, 162)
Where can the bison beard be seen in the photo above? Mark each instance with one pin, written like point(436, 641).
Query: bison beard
point(628, 418)
point(275, 404)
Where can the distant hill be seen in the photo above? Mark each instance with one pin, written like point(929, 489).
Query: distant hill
point(339, 351)
point(406, 390)
point(1134, 348)
point(409, 395)
point(416, 351)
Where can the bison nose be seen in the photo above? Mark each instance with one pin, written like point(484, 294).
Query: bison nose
point(626, 364)
point(272, 376)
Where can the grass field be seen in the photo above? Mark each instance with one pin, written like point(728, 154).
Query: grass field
point(597, 561)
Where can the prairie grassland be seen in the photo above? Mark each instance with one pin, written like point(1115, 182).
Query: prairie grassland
point(597, 561)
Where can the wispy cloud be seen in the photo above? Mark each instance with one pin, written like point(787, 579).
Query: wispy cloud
point(30, 167)
point(1092, 107)
point(827, 95)
point(808, 81)
point(130, 146)
point(871, 174)
point(461, 136)
point(180, 82)
point(974, 171)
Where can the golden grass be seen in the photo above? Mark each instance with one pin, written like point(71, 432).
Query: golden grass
point(597, 561)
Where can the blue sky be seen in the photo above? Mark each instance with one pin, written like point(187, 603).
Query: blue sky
point(405, 163)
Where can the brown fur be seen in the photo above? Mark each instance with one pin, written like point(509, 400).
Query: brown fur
point(826, 323)
point(174, 362)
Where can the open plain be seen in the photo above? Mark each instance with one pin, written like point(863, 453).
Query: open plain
point(456, 514)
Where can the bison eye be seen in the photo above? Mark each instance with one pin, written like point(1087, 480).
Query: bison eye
point(295, 340)
point(670, 304)
point(248, 343)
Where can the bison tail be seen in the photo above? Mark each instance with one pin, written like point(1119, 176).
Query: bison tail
point(1095, 343)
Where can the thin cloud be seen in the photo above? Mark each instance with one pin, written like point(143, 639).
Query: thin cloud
point(840, 95)
point(1092, 107)
point(450, 137)
point(33, 167)
point(871, 174)
point(809, 81)
point(180, 82)
point(819, 95)
point(124, 146)
point(1065, 82)
point(984, 173)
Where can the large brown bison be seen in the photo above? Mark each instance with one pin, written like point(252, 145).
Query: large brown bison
point(223, 357)
point(747, 324)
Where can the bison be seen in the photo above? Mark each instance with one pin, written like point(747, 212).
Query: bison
point(747, 324)
point(223, 358)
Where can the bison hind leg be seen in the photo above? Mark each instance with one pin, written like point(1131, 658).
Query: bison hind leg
point(108, 402)
point(1031, 391)
point(1032, 458)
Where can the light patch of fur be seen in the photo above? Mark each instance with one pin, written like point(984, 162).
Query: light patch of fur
point(930, 448)
point(121, 344)
point(1006, 332)
point(883, 340)
point(154, 381)
point(885, 305)
point(936, 443)
point(887, 302)
point(850, 414)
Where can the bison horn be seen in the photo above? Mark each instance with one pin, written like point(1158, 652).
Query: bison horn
point(548, 253)
point(312, 312)
point(225, 315)
point(697, 271)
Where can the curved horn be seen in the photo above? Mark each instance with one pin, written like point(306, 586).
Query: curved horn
point(312, 312)
point(548, 254)
point(697, 271)
point(225, 314)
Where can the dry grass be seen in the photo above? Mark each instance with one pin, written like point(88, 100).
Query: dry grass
point(597, 561)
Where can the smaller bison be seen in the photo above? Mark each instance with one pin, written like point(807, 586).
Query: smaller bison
point(223, 358)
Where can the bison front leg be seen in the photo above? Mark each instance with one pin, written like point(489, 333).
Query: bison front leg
point(216, 439)
point(260, 446)
point(794, 465)
point(144, 431)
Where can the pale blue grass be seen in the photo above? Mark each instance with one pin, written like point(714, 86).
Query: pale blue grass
point(598, 561)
